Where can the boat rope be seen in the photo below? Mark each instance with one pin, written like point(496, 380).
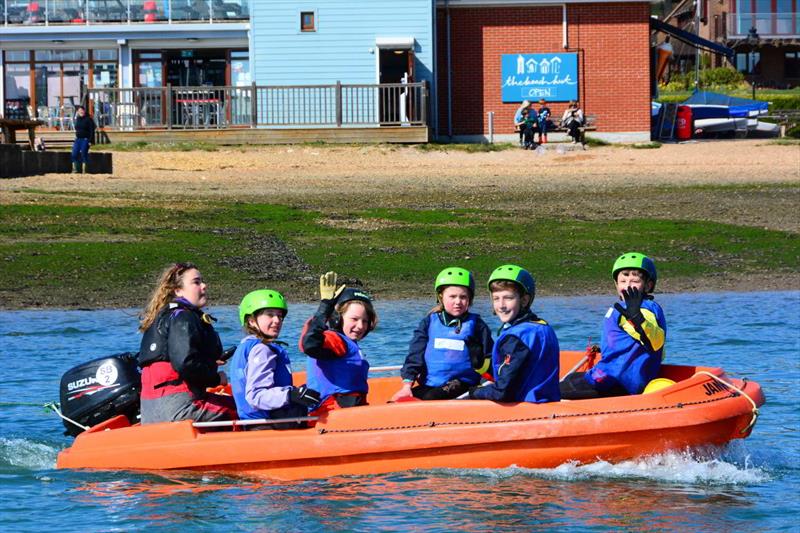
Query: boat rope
point(551, 416)
point(591, 352)
point(54, 407)
point(741, 392)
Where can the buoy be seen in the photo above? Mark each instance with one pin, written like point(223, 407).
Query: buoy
point(150, 11)
point(683, 123)
point(658, 384)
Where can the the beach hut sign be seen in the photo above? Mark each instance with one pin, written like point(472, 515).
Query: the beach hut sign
point(534, 76)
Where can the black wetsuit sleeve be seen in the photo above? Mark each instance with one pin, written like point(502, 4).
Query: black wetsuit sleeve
point(414, 365)
point(316, 340)
point(515, 354)
point(191, 351)
point(480, 344)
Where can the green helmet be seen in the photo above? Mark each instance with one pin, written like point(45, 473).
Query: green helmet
point(261, 299)
point(635, 260)
point(518, 275)
point(455, 276)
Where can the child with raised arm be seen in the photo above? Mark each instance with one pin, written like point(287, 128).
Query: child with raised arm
point(449, 345)
point(336, 367)
point(525, 358)
point(261, 372)
point(633, 337)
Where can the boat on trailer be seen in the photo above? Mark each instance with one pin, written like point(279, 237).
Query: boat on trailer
point(703, 407)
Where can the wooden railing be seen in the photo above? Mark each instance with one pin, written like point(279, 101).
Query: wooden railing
point(337, 105)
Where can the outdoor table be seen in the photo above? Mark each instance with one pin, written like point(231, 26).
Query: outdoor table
point(9, 129)
point(196, 108)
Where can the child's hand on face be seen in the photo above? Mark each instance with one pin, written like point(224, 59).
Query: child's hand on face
point(633, 299)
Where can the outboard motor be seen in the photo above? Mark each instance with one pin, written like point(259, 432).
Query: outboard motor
point(101, 389)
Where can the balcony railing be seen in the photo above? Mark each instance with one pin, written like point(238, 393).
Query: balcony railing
point(59, 12)
point(766, 24)
point(337, 105)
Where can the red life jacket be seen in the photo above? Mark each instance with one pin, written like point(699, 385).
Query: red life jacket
point(159, 378)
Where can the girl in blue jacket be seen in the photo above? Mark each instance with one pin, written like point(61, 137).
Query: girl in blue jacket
point(261, 372)
point(449, 345)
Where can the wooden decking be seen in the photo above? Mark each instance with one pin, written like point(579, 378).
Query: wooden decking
point(241, 136)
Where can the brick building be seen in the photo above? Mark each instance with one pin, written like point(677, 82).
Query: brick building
point(610, 40)
point(765, 35)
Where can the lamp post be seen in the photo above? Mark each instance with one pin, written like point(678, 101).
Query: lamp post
point(753, 40)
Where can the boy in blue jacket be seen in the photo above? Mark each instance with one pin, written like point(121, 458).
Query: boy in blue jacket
point(632, 342)
point(525, 357)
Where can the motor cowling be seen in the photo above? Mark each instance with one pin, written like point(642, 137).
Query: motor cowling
point(101, 389)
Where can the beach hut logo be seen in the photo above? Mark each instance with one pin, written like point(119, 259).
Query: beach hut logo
point(545, 66)
point(530, 66)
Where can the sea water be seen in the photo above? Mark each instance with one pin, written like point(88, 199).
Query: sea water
point(749, 485)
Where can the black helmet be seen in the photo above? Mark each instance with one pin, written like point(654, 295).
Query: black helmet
point(351, 293)
point(348, 295)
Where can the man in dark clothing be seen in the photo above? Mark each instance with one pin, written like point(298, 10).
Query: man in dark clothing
point(84, 134)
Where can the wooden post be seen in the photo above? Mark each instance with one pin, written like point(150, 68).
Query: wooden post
point(424, 110)
point(338, 103)
point(253, 105)
point(169, 106)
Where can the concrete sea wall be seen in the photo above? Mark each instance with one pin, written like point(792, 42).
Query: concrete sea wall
point(16, 162)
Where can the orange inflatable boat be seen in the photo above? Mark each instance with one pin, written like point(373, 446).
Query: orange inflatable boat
point(703, 407)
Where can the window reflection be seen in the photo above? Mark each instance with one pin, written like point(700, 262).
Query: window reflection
point(57, 12)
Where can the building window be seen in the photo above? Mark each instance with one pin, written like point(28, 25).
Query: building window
point(49, 84)
point(240, 68)
point(791, 65)
point(748, 62)
point(308, 21)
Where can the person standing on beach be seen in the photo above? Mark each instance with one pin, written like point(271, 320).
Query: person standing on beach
point(84, 135)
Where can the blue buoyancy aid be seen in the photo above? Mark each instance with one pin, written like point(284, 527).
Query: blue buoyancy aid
point(538, 379)
point(282, 378)
point(447, 351)
point(342, 375)
point(625, 360)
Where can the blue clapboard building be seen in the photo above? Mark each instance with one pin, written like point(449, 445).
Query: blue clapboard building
point(321, 42)
point(188, 64)
point(330, 41)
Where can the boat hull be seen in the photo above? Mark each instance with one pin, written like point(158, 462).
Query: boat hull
point(699, 410)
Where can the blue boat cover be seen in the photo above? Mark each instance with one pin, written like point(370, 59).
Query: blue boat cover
point(737, 107)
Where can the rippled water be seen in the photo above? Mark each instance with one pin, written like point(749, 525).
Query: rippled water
point(750, 484)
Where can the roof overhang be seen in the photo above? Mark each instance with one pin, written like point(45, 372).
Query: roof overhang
point(690, 38)
point(155, 32)
point(395, 43)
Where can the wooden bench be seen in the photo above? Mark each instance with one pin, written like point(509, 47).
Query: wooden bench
point(589, 124)
point(9, 128)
